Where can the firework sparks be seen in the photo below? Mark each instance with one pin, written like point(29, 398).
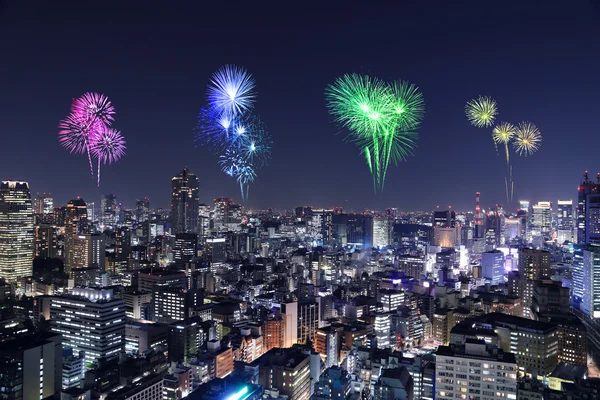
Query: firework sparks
point(95, 106)
point(481, 112)
point(528, 139)
point(382, 119)
point(231, 90)
point(86, 130)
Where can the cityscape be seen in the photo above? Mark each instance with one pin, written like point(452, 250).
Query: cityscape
point(326, 269)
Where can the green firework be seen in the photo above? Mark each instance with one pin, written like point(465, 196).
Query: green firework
point(382, 119)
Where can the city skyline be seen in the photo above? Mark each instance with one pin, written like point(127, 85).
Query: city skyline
point(530, 83)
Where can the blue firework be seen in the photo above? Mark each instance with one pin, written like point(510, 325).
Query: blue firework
point(231, 90)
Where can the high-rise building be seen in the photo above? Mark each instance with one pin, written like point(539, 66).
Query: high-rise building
point(541, 219)
point(184, 202)
point(31, 367)
point(43, 204)
point(444, 218)
point(533, 265)
point(16, 230)
point(588, 211)
point(108, 210)
point(91, 211)
point(85, 251)
point(142, 209)
point(382, 231)
point(564, 221)
point(185, 248)
point(287, 370)
point(524, 213)
point(492, 265)
point(185, 339)
point(328, 343)
point(475, 369)
point(289, 314)
point(45, 241)
point(99, 331)
point(273, 333)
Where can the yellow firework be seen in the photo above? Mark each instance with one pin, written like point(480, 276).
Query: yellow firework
point(503, 133)
point(481, 112)
point(528, 139)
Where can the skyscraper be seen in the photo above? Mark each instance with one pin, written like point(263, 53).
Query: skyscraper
point(76, 225)
point(588, 211)
point(108, 210)
point(541, 221)
point(184, 202)
point(533, 265)
point(564, 221)
point(16, 230)
point(142, 209)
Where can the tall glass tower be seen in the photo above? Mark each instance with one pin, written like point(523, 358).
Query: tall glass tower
point(185, 202)
point(16, 230)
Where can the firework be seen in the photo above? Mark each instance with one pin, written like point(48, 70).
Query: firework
point(528, 139)
point(95, 106)
point(502, 134)
point(108, 146)
point(408, 106)
point(382, 119)
point(75, 133)
point(360, 103)
point(231, 90)
point(481, 112)
point(86, 130)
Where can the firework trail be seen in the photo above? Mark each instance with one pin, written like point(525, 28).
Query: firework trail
point(108, 147)
point(502, 134)
point(382, 119)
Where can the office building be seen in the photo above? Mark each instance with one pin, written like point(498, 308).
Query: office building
point(565, 223)
point(85, 251)
point(186, 339)
point(90, 320)
point(142, 209)
point(476, 370)
point(492, 265)
point(273, 333)
point(184, 202)
point(137, 303)
point(185, 248)
point(328, 343)
point(541, 219)
point(141, 336)
point(287, 370)
point(16, 230)
point(533, 265)
point(73, 368)
point(588, 211)
point(108, 210)
point(31, 367)
point(394, 384)
point(150, 277)
point(45, 241)
point(382, 232)
point(334, 383)
point(534, 344)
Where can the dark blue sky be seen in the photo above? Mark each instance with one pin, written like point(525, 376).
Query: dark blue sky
point(539, 59)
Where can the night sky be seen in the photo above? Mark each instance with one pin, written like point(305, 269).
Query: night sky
point(539, 59)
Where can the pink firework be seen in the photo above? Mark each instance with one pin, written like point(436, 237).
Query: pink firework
point(95, 106)
point(108, 146)
point(75, 132)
